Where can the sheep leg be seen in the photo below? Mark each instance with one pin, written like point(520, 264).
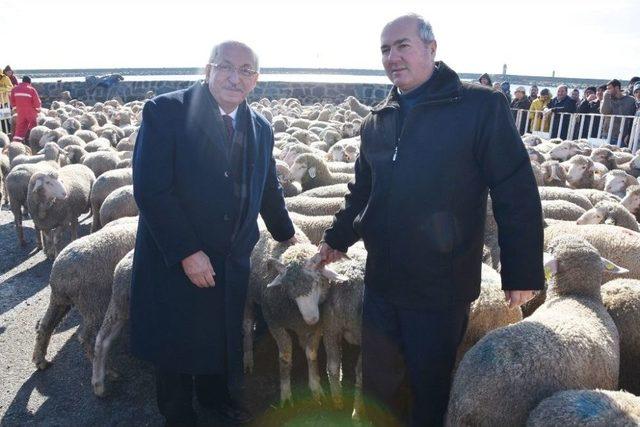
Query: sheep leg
point(108, 333)
point(334, 357)
point(54, 315)
point(38, 238)
point(17, 219)
point(87, 336)
point(311, 351)
point(95, 222)
point(247, 326)
point(358, 403)
point(74, 228)
point(5, 192)
point(285, 358)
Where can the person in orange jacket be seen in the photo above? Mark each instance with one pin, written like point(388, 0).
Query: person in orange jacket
point(26, 101)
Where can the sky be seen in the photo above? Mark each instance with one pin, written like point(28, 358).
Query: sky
point(576, 38)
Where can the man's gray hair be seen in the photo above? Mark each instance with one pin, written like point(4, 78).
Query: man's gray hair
point(564, 86)
point(425, 31)
point(217, 50)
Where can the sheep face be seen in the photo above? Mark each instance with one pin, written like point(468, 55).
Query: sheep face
point(564, 151)
point(635, 162)
point(616, 182)
point(631, 200)
point(299, 169)
point(597, 215)
point(578, 169)
point(351, 153)
point(603, 156)
point(52, 187)
point(307, 283)
point(336, 153)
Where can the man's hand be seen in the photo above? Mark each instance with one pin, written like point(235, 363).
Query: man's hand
point(198, 268)
point(517, 298)
point(328, 254)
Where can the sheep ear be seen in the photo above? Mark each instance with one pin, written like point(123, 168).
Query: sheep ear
point(550, 265)
point(37, 185)
point(333, 276)
point(41, 151)
point(312, 171)
point(277, 265)
point(631, 180)
point(276, 282)
point(612, 268)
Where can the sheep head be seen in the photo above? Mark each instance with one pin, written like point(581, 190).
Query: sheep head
point(617, 181)
point(50, 185)
point(631, 200)
point(304, 279)
point(578, 167)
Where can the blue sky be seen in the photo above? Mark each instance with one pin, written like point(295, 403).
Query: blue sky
point(585, 38)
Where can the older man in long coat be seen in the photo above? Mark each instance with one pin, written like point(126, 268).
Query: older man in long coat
point(202, 172)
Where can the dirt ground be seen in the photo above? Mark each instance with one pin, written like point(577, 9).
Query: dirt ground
point(62, 395)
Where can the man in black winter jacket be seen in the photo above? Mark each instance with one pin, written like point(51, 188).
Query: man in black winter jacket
point(429, 155)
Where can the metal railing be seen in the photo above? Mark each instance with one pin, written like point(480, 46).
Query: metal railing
point(5, 112)
point(598, 129)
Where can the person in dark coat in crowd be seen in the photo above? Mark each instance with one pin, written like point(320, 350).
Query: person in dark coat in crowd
point(562, 103)
point(419, 203)
point(505, 87)
point(589, 105)
point(485, 80)
point(202, 172)
point(632, 83)
point(9, 73)
point(575, 96)
point(533, 93)
point(616, 102)
point(520, 102)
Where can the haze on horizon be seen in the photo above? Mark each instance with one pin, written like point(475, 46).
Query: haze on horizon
point(597, 39)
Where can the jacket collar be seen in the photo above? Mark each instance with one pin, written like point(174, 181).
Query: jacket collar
point(446, 87)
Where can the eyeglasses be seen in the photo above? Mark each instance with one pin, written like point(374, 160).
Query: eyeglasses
point(245, 70)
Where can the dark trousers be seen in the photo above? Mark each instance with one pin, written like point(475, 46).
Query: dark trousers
point(421, 343)
point(174, 393)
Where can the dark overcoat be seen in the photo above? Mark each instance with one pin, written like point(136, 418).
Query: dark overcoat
point(419, 198)
point(184, 190)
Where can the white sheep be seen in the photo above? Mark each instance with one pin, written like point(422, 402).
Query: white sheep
point(569, 342)
point(314, 206)
point(311, 171)
point(119, 203)
point(613, 213)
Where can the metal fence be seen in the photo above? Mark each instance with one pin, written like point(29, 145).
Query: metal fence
point(5, 112)
point(598, 129)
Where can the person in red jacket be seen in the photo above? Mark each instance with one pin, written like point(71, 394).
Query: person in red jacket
point(24, 98)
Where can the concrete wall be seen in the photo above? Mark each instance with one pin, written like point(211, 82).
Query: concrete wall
point(128, 90)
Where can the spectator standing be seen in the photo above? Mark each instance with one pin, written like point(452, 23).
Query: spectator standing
point(5, 88)
point(505, 87)
point(562, 103)
point(9, 72)
point(520, 102)
point(485, 80)
point(496, 87)
point(533, 93)
point(589, 105)
point(632, 84)
point(539, 122)
point(26, 102)
point(616, 103)
point(575, 95)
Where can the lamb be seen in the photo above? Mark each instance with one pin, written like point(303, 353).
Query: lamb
point(553, 174)
point(75, 153)
point(535, 155)
point(51, 151)
point(622, 299)
point(565, 150)
point(68, 140)
point(289, 188)
point(101, 161)
point(119, 203)
point(617, 181)
point(570, 341)
point(620, 245)
point(311, 171)
point(613, 213)
point(604, 156)
point(86, 135)
point(632, 167)
point(82, 276)
point(589, 408)
point(71, 125)
point(17, 183)
point(35, 135)
point(490, 311)
point(314, 206)
point(15, 149)
point(558, 193)
point(104, 185)
point(335, 190)
point(580, 172)
point(312, 226)
point(561, 210)
point(596, 196)
point(358, 108)
point(97, 144)
point(289, 285)
point(57, 198)
point(631, 200)
point(342, 318)
point(115, 318)
point(52, 135)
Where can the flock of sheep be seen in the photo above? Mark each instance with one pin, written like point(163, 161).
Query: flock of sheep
point(563, 358)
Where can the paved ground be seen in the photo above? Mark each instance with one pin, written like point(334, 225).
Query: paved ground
point(62, 394)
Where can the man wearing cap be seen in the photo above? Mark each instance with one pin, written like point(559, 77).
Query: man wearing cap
point(26, 102)
point(615, 102)
point(202, 172)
